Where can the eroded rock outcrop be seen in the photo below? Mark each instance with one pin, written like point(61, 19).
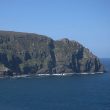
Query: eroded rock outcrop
point(27, 53)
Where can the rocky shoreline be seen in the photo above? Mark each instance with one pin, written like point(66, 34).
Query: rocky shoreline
point(29, 53)
point(48, 75)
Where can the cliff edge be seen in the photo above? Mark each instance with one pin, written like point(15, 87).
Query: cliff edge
point(29, 53)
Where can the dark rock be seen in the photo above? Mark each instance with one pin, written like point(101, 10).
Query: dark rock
point(28, 53)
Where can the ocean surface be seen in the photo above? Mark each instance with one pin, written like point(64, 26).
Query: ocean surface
point(77, 92)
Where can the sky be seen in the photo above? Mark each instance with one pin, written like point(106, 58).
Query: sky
point(86, 21)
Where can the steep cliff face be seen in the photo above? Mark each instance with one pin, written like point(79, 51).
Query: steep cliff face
point(27, 53)
point(73, 57)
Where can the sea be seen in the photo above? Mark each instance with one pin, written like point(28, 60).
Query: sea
point(77, 92)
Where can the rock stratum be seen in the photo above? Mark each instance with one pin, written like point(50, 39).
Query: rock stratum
point(29, 53)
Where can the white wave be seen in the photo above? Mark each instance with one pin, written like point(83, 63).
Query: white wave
point(83, 73)
point(62, 74)
point(100, 72)
point(43, 75)
point(20, 76)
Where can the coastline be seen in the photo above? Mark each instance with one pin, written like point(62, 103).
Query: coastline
point(44, 75)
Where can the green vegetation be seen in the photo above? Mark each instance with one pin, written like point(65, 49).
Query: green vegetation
point(31, 53)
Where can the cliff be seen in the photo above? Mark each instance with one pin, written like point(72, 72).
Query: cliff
point(28, 53)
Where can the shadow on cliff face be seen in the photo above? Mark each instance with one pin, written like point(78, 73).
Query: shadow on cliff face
point(32, 54)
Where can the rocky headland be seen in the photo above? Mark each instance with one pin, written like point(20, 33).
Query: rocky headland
point(33, 54)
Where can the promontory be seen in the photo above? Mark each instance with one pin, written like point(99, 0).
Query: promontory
point(33, 54)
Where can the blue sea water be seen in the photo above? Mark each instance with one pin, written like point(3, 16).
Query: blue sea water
point(77, 92)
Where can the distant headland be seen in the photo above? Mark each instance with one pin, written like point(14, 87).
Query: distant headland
point(33, 54)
